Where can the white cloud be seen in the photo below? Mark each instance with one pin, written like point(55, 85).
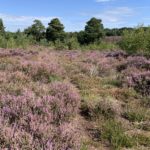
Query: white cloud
point(14, 22)
point(115, 16)
point(13, 18)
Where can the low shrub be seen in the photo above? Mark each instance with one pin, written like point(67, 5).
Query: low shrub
point(138, 62)
point(43, 72)
point(140, 81)
point(42, 122)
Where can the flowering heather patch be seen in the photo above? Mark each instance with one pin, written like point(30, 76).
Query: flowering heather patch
point(135, 73)
point(18, 77)
point(137, 62)
point(41, 119)
point(9, 53)
point(40, 71)
point(41, 109)
point(9, 64)
point(117, 54)
point(140, 81)
point(66, 137)
point(98, 64)
point(71, 55)
point(66, 103)
point(89, 69)
point(3, 77)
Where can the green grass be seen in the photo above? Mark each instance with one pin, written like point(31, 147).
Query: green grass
point(135, 115)
point(114, 133)
point(142, 140)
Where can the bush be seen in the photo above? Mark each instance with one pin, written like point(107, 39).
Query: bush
point(59, 45)
point(72, 43)
point(136, 41)
point(21, 41)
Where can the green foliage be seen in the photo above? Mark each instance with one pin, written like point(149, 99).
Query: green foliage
point(3, 42)
point(81, 37)
point(136, 41)
point(84, 147)
point(114, 133)
point(2, 28)
point(36, 30)
point(116, 31)
point(135, 115)
point(72, 43)
point(142, 140)
point(59, 45)
point(99, 46)
point(15, 40)
point(55, 31)
point(44, 42)
point(93, 32)
point(11, 43)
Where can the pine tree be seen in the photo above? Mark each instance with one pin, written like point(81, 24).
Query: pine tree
point(55, 30)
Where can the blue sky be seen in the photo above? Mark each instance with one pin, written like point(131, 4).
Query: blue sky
point(74, 13)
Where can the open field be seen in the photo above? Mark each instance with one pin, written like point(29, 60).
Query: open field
point(74, 100)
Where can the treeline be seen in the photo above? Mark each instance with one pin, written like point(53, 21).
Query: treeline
point(55, 36)
point(91, 38)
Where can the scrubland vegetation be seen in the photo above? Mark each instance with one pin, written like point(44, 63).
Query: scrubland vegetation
point(88, 90)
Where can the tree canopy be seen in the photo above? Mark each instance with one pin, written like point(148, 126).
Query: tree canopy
point(2, 28)
point(36, 30)
point(55, 30)
point(93, 32)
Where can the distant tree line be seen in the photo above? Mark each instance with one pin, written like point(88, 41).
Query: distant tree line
point(94, 31)
point(92, 37)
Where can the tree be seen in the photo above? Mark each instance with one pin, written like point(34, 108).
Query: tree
point(94, 30)
point(2, 28)
point(55, 30)
point(37, 30)
point(81, 37)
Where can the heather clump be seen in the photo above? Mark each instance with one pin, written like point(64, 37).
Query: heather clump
point(117, 54)
point(67, 101)
point(9, 64)
point(135, 73)
point(44, 72)
point(140, 81)
point(44, 121)
point(97, 64)
point(138, 62)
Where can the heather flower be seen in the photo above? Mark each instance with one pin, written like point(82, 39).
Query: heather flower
point(41, 71)
point(40, 122)
point(136, 62)
point(66, 101)
point(141, 82)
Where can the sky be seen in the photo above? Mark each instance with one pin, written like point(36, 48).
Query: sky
point(19, 14)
